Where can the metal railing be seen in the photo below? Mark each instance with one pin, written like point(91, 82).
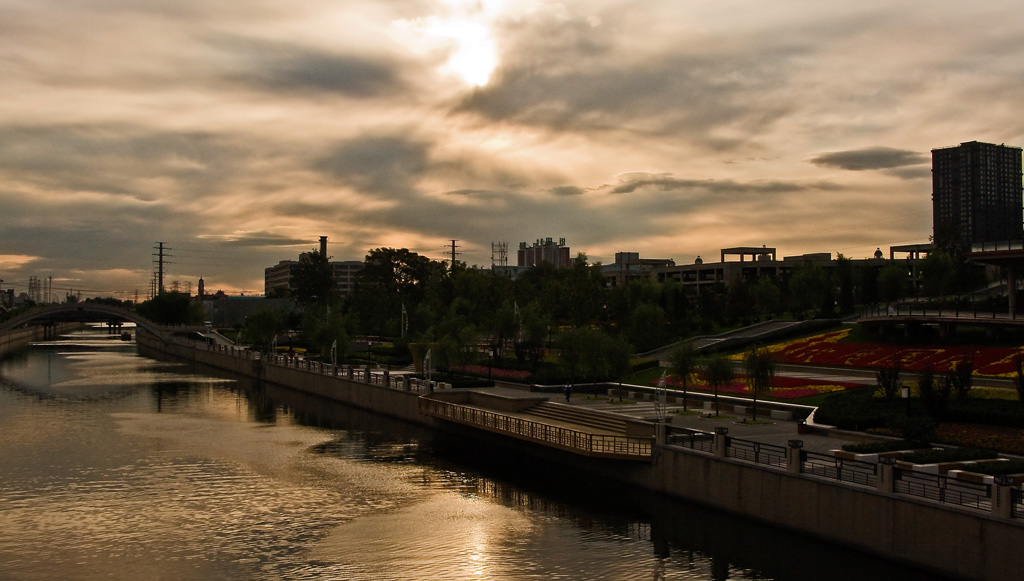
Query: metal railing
point(828, 466)
point(310, 366)
point(592, 444)
point(756, 452)
point(926, 312)
point(943, 489)
point(693, 439)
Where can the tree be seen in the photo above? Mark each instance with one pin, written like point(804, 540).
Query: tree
point(892, 281)
point(767, 296)
point(938, 273)
point(719, 371)
point(170, 308)
point(389, 279)
point(846, 276)
point(531, 334)
point(1018, 379)
point(684, 362)
point(960, 376)
point(500, 326)
point(808, 287)
point(312, 280)
point(262, 326)
point(888, 379)
point(647, 327)
point(322, 327)
point(759, 366)
point(587, 354)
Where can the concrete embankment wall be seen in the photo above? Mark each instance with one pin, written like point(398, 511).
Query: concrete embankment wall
point(18, 338)
point(942, 538)
point(399, 404)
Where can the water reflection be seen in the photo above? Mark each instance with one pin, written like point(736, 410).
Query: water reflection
point(117, 466)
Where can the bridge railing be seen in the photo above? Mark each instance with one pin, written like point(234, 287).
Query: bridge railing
point(924, 312)
point(584, 442)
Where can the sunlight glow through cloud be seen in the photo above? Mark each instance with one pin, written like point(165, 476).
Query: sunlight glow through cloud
point(468, 25)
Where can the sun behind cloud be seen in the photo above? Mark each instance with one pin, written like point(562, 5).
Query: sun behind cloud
point(467, 26)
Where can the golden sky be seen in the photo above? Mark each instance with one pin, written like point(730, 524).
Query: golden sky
point(239, 132)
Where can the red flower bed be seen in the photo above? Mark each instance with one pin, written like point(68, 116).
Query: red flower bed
point(495, 372)
point(826, 350)
point(782, 387)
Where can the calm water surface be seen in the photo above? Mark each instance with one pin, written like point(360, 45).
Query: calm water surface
point(114, 466)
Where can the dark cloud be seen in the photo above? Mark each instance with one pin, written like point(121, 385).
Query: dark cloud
point(665, 182)
point(253, 239)
point(566, 191)
point(377, 164)
point(870, 158)
point(287, 68)
point(116, 159)
point(570, 76)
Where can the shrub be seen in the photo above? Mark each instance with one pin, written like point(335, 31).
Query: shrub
point(889, 382)
point(998, 468)
point(919, 430)
point(948, 455)
point(960, 376)
point(879, 447)
point(935, 399)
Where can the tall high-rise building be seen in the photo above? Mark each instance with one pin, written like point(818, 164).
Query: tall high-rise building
point(545, 250)
point(976, 194)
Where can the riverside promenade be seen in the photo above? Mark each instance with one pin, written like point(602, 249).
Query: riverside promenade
point(940, 522)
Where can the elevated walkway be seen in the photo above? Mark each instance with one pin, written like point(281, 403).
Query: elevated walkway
point(531, 417)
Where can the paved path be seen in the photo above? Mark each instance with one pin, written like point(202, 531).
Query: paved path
point(778, 432)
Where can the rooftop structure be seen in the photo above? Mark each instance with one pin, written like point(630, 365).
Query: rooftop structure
point(545, 250)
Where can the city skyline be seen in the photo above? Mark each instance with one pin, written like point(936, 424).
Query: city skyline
point(238, 134)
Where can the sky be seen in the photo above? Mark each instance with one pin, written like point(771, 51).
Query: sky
point(237, 133)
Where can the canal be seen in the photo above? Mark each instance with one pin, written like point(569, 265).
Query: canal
point(115, 466)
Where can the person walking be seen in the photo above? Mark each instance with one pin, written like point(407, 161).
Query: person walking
point(568, 392)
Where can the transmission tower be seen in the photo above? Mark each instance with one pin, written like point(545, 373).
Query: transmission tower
point(499, 254)
point(454, 254)
point(161, 259)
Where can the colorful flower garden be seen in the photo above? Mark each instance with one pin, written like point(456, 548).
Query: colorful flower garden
point(782, 387)
point(829, 349)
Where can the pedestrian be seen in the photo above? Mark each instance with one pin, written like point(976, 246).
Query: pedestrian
point(568, 392)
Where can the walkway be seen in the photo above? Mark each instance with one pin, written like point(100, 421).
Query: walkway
point(777, 432)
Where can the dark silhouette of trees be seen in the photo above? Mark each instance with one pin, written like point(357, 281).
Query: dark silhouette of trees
point(718, 371)
point(684, 362)
point(759, 367)
point(170, 308)
point(312, 280)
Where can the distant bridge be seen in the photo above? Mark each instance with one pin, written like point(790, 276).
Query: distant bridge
point(89, 311)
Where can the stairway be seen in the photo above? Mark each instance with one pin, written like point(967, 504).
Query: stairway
point(579, 416)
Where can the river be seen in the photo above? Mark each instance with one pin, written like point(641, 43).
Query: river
point(115, 466)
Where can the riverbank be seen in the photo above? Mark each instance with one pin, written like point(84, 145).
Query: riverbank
point(870, 515)
point(12, 341)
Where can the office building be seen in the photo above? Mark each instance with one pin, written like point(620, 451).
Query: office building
point(976, 194)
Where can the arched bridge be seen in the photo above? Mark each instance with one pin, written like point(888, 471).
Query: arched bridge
point(81, 310)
